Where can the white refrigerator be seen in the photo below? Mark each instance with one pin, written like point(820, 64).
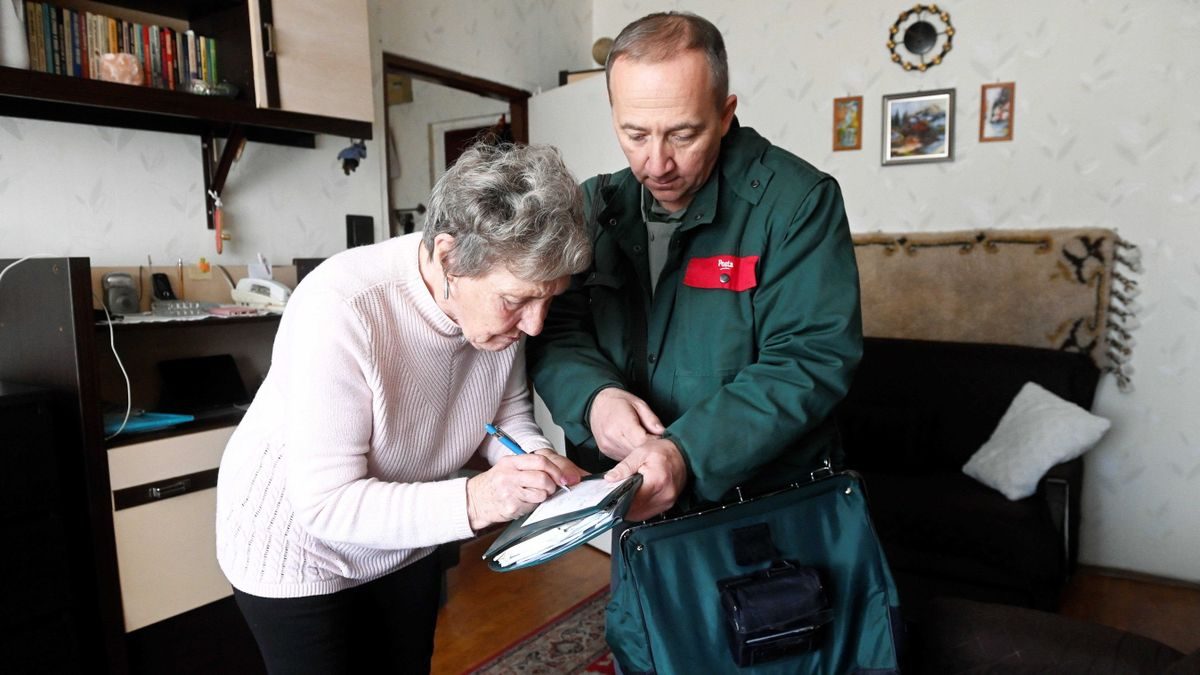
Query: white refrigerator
point(575, 118)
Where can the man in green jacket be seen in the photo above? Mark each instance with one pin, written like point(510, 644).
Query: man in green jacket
point(719, 324)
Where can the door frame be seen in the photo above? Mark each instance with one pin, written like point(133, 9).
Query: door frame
point(518, 99)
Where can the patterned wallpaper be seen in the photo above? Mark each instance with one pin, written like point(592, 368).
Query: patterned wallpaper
point(1107, 133)
point(117, 195)
point(521, 43)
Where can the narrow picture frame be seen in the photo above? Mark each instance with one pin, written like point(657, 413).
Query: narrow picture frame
point(918, 127)
point(847, 123)
point(997, 106)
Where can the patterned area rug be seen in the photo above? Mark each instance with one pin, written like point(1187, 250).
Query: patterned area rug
point(572, 642)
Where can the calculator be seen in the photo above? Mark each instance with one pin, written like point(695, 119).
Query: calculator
point(180, 308)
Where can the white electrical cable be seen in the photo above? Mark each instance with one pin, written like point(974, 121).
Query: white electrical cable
point(112, 343)
point(21, 260)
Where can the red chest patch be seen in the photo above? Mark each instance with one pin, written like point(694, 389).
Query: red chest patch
point(723, 271)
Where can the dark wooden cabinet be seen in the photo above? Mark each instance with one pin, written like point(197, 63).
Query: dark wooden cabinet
point(64, 608)
point(47, 600)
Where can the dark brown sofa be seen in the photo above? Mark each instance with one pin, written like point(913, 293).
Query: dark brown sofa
point(916, 412)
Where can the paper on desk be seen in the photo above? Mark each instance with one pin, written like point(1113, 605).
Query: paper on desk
point(585, 495)
point(553, 538)
point(150, 317)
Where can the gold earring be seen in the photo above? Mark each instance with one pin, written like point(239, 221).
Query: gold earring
point(446, 296)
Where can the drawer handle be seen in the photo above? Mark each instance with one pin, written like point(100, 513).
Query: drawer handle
point(269, 38)
point(170, 489)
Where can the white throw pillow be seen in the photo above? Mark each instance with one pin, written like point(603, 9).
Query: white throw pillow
point(1038, 431)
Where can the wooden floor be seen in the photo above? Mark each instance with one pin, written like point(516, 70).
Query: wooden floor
point(1168, 613)
point(487, 611)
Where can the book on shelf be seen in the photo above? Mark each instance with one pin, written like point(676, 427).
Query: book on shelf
point(93, 45)
point(65, 41)
point(55, 32)
point(33, 22)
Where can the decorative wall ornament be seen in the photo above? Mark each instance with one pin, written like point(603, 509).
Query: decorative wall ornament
point(918, 33)
point(918, 127)
point(1067, 289)
point(600, 49)
point(847, 123)
point(996, 111)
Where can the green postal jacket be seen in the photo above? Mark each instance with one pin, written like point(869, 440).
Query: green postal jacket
point(752, 336)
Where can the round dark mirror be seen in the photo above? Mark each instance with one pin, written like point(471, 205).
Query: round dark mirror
point(920, 37)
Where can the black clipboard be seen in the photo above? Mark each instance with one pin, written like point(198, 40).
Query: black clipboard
point(615, 505)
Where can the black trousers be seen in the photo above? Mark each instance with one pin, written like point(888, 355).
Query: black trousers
point(383, 626)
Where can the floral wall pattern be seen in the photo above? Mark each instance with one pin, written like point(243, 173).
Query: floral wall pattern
point(1107, 134)
point(118, 195)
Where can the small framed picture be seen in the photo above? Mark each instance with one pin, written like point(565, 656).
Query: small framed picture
point(847, 123)
point(918, 127)
point(996, 111)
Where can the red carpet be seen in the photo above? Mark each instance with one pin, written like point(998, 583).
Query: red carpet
point(572, 642)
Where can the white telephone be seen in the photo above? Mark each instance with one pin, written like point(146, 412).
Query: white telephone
point(265, 294)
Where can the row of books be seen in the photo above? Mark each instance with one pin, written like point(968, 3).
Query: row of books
point(69, 42)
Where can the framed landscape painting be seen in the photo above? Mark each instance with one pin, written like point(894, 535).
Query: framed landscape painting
point(847, 123)
point(996, 111)
point(918, 127)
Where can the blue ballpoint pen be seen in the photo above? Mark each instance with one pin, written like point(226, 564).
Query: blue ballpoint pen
point(504, 438)
point(508, 442)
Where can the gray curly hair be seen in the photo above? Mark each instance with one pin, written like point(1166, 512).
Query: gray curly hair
point(511, 205)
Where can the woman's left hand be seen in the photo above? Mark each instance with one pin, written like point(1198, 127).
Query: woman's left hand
point(516, 485)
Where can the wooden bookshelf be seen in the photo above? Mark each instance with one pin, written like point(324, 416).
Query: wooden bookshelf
point(64, 98)
point(36, 95)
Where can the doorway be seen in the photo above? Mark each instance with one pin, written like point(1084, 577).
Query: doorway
point(431, 115)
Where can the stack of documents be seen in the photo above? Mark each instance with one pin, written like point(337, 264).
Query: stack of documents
point(563, 522)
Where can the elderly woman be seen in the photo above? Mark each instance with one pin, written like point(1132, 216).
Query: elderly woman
point(340, 481)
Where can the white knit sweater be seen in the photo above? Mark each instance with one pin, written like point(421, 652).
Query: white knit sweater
point(341, 471)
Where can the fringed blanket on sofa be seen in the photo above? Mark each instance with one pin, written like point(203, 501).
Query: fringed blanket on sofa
point(1067, 289)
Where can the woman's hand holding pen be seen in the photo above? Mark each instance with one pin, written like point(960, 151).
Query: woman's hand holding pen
point(516, 485)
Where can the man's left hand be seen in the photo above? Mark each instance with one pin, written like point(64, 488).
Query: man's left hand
point(664, 474)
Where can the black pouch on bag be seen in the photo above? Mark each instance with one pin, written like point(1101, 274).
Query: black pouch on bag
point(774, 613)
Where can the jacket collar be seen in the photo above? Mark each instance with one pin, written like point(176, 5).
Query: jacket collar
point(741, 162)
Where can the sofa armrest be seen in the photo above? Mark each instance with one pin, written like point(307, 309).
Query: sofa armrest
point(1062, 487)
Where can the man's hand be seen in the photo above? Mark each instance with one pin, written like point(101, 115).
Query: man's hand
point(663, 476)
point(516, 485)
point(621, 422)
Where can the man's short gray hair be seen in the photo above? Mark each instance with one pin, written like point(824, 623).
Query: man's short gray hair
point(511, 205)
point(654, 38)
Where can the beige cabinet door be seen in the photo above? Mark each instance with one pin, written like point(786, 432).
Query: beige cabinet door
point(321, 53)
point(166, 549)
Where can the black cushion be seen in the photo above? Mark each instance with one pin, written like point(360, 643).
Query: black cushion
point(953, 526)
